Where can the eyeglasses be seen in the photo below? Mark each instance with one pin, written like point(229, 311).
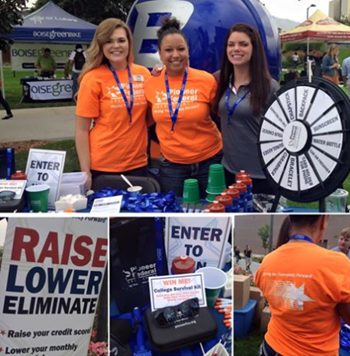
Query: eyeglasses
point(170, 315)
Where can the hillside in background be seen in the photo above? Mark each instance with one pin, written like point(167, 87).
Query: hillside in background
point(284, 24)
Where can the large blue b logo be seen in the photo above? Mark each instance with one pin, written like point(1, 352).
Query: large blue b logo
point(205, 23)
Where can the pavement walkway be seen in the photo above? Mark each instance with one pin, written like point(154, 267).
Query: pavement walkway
point(49, 124)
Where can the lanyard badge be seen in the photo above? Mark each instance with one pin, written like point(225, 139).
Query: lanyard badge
point(173, 115)
point(231, 110)
point(122, 91)
point(302, 237)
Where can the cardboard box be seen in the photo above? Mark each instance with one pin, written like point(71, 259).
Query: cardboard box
point(265, 318)
point(260, 305)
point(255, 293)
point(241, 291)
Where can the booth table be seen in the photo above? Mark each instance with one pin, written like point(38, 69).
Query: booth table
point(37, 89)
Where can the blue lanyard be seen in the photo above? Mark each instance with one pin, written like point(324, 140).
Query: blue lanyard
point(9, 163)
point(128, 107)
point(232, 109)
point(173, 115)
point(302, 237)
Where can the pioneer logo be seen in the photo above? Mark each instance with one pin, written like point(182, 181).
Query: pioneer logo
point(294, 136)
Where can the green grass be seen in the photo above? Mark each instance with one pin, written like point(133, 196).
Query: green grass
point(71, 163)
point(249, 345)
point(13, 90)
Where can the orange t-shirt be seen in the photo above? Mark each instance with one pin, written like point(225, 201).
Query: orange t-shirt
point(303, 283)
point(115, 145)
point(196, 137)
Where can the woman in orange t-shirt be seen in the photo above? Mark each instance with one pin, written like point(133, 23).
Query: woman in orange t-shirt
point(181, 99)
point(111, 95)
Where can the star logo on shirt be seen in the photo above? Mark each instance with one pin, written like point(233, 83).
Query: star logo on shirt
point(293, 297)
point(3, 332)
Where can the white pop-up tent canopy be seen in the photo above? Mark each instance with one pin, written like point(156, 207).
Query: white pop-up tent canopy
point(50, 26)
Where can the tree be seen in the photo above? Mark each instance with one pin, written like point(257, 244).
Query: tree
point(264, 233)
point(10, 15)
point(93, 11)
point(345, 20)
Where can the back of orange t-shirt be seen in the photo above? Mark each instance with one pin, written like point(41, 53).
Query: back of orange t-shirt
point(196, 136)
point(115, 145)
point(303, 283)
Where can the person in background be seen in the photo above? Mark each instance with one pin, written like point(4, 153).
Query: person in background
point(237, 254)
point(295, 60)
point(46, 64)
point(112, 96)
point(308, 291)
point(344, 242)
point(180, 99)
point(67, 70)
point(330, 64)
point(248, 257)
point(6, 105)
point(77, 60)
point(346, 74)
point(244, 91)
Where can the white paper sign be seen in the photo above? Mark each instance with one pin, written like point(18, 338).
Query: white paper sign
point(16, 186)
point(50, 281)
point(46, 167)
point(167, 291)
point(110, 205)
point(50, 89)
point(203, 239)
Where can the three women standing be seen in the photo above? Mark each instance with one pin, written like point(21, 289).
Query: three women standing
point(113, 94)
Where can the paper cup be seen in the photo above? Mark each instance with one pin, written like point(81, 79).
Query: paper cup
point(214, 280)
point(191, 191)
point(135, 190)
point(38, 197)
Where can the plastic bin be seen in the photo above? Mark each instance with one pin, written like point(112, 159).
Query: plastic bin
point(343, 352)
point(243, 319)
point(73, 183)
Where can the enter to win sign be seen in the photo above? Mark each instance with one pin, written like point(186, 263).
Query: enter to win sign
point(205, 239)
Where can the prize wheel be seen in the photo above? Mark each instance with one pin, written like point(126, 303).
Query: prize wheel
point(304, 140)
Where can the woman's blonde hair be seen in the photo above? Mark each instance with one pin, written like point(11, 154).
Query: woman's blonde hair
point(331, 50)
point(104, 31)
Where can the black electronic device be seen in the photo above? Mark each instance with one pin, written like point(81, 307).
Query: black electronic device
point(183, 333)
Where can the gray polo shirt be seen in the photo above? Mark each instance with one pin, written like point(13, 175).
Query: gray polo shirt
point(240, 139)
point(338, 250)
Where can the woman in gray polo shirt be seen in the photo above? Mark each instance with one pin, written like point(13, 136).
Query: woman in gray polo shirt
point(245, 88)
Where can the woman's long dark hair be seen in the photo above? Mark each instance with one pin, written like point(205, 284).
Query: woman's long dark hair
point(260, 83)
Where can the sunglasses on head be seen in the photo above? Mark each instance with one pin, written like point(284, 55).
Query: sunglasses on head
point(170, 315)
